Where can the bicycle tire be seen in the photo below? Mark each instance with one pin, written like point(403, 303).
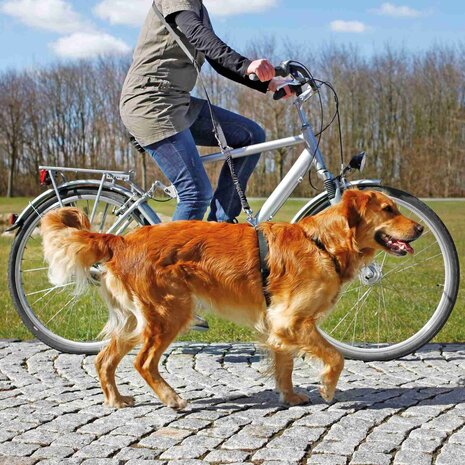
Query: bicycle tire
point(422, 309)
point(67, 333)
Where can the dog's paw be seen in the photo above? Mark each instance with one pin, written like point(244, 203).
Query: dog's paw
point(176, 403)
point(295, 398)
point(327, 393)
point(120, 402)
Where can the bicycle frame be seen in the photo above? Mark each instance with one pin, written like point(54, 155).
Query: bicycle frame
point(137, 198)
point(310, 156)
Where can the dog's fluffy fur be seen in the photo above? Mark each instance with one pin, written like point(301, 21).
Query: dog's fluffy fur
point(154, 276)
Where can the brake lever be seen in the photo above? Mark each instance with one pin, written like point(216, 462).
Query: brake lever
point(281, 92)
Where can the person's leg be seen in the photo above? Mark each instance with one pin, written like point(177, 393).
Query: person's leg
point(178, 158)
point(239, 132)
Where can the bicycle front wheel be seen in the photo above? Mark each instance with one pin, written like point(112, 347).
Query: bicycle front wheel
point(396, 305)
point(54, 314)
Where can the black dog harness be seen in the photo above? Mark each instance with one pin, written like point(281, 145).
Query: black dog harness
point(265, 270)
point(321, 246)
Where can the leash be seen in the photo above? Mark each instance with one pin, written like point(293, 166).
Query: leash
point(217, 129)
point(226, 151)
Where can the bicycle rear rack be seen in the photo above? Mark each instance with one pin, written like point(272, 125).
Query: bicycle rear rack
point(112, 176)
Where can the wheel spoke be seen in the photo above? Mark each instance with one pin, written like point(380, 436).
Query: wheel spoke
point(48, 289)
point(342, 319)
point(72, 300)
point(349, 312)
point(104, 217)
point(401, 270)
point(36, 269)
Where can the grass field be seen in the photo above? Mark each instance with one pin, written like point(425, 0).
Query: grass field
point(451, 212)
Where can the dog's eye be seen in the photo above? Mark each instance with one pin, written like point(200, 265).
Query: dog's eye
point(388, 208)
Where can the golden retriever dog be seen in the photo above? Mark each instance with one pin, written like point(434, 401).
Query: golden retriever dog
point(154, 276)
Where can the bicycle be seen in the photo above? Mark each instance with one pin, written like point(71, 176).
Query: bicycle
point(393, 308)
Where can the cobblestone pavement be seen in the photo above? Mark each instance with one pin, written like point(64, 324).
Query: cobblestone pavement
point(405, 412)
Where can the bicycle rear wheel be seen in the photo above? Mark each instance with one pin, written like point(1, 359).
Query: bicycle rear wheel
point(54, 314)
point(396, 305)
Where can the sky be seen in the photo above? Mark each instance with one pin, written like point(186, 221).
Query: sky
point(34, 33)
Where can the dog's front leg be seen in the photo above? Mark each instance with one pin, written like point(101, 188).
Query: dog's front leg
point(283, 366)
point(315, 345)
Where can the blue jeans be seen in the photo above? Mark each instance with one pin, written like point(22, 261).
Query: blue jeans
point(178, 158)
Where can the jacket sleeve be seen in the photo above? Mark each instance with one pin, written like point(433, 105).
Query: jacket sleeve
point(256, 85)
point(221, 57)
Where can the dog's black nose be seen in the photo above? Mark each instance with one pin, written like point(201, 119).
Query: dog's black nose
point(419, 229)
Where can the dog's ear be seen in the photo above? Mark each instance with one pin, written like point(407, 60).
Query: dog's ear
point(355, 203)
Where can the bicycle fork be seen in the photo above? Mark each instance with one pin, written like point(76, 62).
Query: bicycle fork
point(331, 183)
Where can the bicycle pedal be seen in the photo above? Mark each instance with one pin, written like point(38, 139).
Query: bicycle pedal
point(199, 328)
point(199, 324)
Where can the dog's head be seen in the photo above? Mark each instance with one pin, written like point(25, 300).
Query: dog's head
point(377, 222)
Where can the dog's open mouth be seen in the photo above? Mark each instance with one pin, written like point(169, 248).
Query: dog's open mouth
point(395, 246)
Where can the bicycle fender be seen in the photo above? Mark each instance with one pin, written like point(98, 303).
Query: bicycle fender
point(30, 208)
point(50, 193)
point(322, 198)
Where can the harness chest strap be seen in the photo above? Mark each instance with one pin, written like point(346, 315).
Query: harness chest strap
point(265, 270)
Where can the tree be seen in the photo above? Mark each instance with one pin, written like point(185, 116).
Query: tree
point(12, 119)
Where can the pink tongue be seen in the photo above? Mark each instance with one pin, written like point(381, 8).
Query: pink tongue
point(404, 246)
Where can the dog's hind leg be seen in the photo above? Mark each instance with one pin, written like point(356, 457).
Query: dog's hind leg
point(106, 362)
point(158, 335)
point(124, 325)
point(283, 366)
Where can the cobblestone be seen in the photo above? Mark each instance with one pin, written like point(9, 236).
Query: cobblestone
point(404, 412)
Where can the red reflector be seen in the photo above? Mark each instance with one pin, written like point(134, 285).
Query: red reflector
point(44, 177)
point(12, 219)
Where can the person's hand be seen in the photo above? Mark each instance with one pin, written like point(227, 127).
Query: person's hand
point(262, 68)
point(279, 81)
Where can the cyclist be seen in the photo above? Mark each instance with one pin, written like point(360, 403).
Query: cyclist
point(157, 108)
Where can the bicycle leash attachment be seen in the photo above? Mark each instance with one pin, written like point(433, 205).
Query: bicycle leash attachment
point(217, 129)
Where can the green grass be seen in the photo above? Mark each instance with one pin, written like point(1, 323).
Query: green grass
point(13, 205)
point(409, 314)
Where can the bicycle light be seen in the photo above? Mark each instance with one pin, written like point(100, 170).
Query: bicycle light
point(356, 163)
point(12, 219)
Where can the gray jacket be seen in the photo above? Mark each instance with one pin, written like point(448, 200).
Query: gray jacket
point(155, 99)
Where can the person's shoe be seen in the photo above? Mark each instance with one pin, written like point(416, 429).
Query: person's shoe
point(199, 324)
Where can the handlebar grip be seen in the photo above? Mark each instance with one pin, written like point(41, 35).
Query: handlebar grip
point(281, 71)
point(278, 70)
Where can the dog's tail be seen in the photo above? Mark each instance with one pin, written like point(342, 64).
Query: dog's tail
point(71, 249)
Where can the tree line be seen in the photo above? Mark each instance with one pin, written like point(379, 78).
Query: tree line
point(405, 109)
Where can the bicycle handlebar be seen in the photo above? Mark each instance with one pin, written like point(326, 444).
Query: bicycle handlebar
point(298, 72)
point(278, 71)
